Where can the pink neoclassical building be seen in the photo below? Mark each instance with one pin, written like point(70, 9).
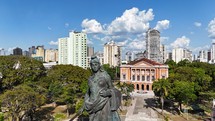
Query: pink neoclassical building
point(142, 73)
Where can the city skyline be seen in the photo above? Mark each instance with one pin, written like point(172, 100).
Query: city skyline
point(189, 24)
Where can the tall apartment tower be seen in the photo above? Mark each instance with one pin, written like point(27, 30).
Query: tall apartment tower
point(17, 51)
point(112, 54)
point(73, 49)
point(153, 51)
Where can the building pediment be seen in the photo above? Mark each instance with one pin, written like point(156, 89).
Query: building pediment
point(143, 62)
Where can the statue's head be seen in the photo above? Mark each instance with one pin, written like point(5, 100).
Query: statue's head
point(95, 64)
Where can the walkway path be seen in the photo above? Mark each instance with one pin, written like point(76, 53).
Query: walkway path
point(140, 109)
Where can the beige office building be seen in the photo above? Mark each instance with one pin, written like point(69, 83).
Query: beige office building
point(51, 55)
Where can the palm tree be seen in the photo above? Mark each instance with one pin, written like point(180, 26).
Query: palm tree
point(160, 89)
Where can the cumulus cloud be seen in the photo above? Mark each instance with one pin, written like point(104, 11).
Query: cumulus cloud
point(197, 24)
point(132, 21)
point(136, 44)
point(182, 42)
point(127, 30)
point(91, 26)
point(53, 43)
point(162, 25)
point(211, 29)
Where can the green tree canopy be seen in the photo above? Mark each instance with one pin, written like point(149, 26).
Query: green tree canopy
point(183, 92)
point(19, 69)
point(21, 101)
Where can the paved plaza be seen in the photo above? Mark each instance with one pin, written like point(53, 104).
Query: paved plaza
point(140, 110)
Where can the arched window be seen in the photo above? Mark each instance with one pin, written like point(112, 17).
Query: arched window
point(147, 87)
point(137, 86)
point(142, 86)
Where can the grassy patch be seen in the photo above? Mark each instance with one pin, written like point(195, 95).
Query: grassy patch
point(59, 116)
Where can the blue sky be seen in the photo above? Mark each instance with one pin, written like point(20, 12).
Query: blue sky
point(182, 23)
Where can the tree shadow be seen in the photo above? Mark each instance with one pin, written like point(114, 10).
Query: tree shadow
point(169, 106)
point(44, 114)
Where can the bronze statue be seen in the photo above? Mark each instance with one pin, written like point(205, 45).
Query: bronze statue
point(101, 100)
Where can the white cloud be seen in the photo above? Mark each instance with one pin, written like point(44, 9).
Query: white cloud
point(96, 37)
point(91, 26)
point(53, 43)
point(10, 50)
point(89, 42)
point(136, 45)
point(162, 39)
point(211, 29)
point(162, 25)
point(127, 30)
point(197, 24)
point(132, 21)
point(66, 25)
point(123, 43)
point(182, 42)
point(49, 28)
point(197, 49)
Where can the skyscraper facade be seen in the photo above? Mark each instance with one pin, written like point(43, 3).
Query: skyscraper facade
point(73, 49)
point(17, 51)
point(153, 51)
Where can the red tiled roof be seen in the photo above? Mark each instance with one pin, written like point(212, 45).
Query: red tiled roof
point(146, 60)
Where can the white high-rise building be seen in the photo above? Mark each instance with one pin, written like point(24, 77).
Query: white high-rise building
point(73, 49)
point(203, 56)
point(179, 54)
point(212, 60)
point(112, 54)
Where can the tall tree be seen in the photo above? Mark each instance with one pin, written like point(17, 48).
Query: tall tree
point(21, 101)
point(68, 83)
point(161, 88)
point(183, 92)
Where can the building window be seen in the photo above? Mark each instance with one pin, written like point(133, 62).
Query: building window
point(153, 78)
point(138, 77)
point(148, 78)
point(124, 76)
point(143, 78)
point(133, 77)
point(163, 77)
